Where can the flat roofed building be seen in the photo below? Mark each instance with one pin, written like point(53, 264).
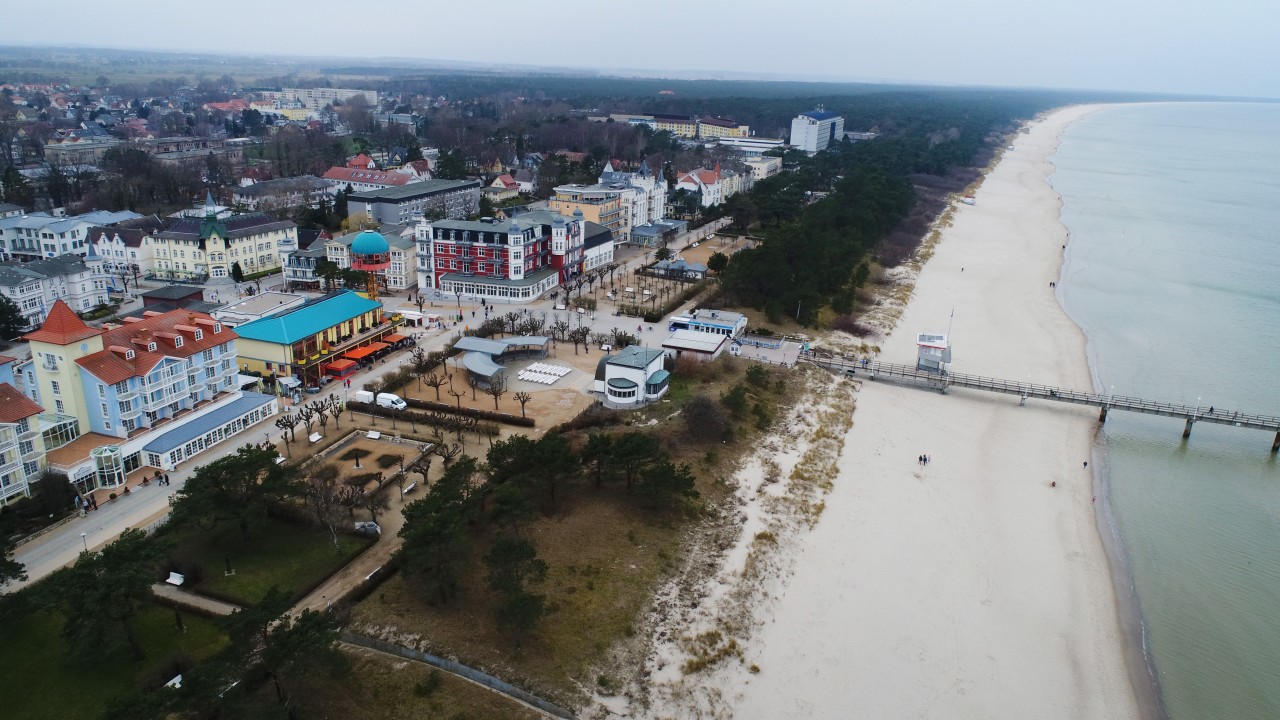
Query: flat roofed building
point(813, 131)
point(293, 192)
point(404, 205)
point(701, 345)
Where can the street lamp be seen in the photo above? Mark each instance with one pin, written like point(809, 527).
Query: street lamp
point(1197, 408)
point(84, 538)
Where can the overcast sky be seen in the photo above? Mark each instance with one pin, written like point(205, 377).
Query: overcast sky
point(1226, 47)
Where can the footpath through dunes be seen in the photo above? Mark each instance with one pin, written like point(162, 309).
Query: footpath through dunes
point(975, 585)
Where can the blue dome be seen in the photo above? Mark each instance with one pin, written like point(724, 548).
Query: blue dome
point(370, 243)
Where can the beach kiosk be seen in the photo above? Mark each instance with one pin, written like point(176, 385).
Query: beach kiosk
point(933, 352)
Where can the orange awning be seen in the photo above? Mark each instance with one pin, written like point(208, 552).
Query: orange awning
point(394, 338)
point(340, 365)
point(359, 352)
point(376, 346)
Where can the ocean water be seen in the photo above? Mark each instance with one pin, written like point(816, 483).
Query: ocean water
point(1173, 272)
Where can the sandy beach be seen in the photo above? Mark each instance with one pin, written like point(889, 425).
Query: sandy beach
point(967, 588)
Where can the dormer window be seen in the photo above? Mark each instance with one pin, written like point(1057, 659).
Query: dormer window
point(129, 354)
point(217, 328)
point(177, 341)
point(199, 334)
point(151, 347)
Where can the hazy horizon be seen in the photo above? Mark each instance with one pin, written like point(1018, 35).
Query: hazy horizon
point(1225, 50)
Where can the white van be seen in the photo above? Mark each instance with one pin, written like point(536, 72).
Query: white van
point(387, 400)
point(363, 396)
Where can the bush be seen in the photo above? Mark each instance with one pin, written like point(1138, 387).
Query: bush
point(387, 460)
point(853, 326)
point(354, 453)
point(594, 416)
point(704, 420)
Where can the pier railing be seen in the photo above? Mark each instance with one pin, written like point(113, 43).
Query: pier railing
point(943, 380)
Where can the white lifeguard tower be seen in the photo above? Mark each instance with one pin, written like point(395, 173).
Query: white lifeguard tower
point(933, 352)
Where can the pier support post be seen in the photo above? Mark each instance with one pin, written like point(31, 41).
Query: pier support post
point(1275, 444)
point(1186, 432)
point(1102, 416)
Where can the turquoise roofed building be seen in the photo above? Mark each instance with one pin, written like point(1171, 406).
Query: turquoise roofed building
point(387, 252)
point(321, 338)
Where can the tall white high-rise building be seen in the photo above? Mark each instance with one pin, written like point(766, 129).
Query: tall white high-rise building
point(813, 131)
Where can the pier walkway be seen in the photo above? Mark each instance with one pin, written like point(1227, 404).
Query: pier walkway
point(873, 370)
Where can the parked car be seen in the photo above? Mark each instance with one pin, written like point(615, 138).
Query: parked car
point(387, 400)
point(363, 396)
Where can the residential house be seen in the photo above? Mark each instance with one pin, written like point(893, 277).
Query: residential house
point(418, 170)
point(35, 287)
point(41, 235)
point(527, 180)
point(293, 192)
point(503, 187)
point(704, 183)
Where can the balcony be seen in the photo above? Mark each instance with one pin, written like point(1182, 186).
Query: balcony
point(211, 361)
point(130, 413)
point(129, 395)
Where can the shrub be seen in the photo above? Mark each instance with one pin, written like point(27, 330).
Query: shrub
point(354, 453)
point(387, 460)
point(704, 420)
point(593, 416)
point(853, 326)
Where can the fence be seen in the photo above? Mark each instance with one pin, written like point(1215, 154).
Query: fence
point(460, 670)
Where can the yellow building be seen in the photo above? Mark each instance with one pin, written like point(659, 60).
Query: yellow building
point(329, 336)
point(710, 127)
point(598, 204)
point(208, 247)
point(676, 125)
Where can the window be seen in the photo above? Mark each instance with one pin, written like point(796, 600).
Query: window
point(151, 347)
point(199, 334)
point(177, 342)
point(59, 407)
point(107, 424)
point(102, 390)
point(57, 388)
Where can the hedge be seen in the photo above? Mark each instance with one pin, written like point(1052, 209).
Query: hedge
point(410, 416)
point(470, 412)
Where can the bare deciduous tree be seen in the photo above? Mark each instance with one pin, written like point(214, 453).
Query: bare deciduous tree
point(522, 397)
point(497, 388)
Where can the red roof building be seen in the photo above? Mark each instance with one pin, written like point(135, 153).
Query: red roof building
point(362, 180)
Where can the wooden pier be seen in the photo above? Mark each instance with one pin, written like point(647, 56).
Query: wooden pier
point(874, 370)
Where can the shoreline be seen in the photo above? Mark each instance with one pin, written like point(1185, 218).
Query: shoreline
point(1055, 644)
point(970, 586)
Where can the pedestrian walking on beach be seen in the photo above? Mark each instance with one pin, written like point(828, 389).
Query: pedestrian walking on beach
point(1086, 463)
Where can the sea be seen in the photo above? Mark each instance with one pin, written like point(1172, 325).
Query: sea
point(1173, 272)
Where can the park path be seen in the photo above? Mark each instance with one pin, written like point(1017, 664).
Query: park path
point(178, 596)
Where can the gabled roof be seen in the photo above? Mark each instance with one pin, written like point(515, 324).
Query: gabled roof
point(14, 405)
point(62, 327)
point(111, 366)
point(233, 227)
point(132, 237)
point(308, 319)
point(375, 177)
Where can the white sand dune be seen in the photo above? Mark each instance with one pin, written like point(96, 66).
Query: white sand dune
point(968, 588)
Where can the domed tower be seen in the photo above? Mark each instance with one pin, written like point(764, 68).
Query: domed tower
point(371, 253)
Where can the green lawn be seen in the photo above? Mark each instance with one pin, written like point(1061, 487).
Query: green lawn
point(291, 556)
point(40, 679)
